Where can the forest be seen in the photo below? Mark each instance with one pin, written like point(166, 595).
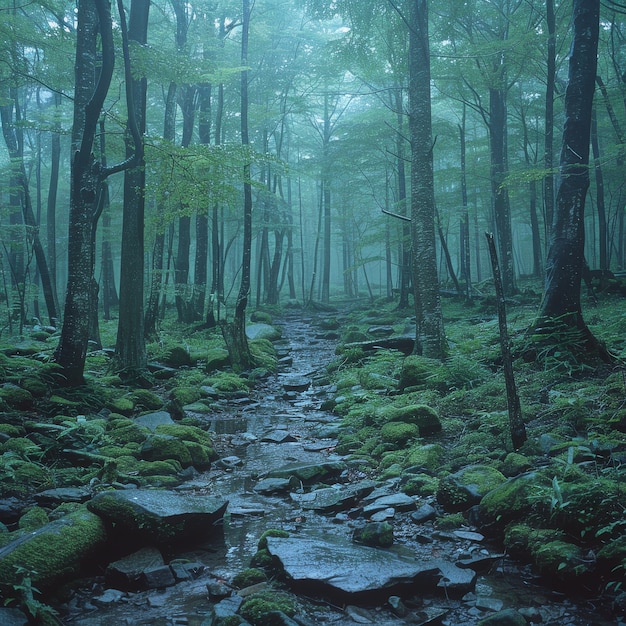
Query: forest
point(399, 221)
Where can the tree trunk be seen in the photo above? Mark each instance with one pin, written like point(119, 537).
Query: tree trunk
point(429, 332)
point(235, 332)
point(130, 348)
point(560, 322)
point(603, 236)
point(548, 151)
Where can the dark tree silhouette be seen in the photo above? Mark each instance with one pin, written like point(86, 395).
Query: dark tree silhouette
point(560, 319)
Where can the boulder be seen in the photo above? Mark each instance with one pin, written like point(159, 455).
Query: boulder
point(465, 488)
point(160, 516)
point(262, 331)
point(309, 472)
point(54, 552)
point(347, 569)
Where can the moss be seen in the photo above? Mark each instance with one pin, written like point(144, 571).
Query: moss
point(420, 485)
point(23, 447)
point(29, 477)
point(261, 317)
point(217, 358)
point(262, 559)
point(34, 518)
point(123, 430)
point(514, 499)
point(420, 372)
point(422, 415)
point(427, 456)
point(248, 577)
point(186, 433)
point(450, 521)
point(123, 405)
point(35, 386)
point(16, 397)
point(163, 447)
point(52, 552)
point(264, 354)
point(464, 488)
point(146, 399)
point(560, 559)
point(167, 467)
point(258, 608)
point(228, 382)
point(11, 430)
point(178, 356)
point(270, 532)
point(185, 394)
point(375, 534)
point(521, 540)
point(398, 433)
point(515, 464)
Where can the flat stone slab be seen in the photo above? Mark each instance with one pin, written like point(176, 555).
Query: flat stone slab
point(278, 436)
point(348, 568)
point(152, 420)
point(160, 515)
point(308, 472)
point(333, 498)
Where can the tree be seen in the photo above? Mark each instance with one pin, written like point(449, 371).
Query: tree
point(560, 323)
point(86, 189)
point(130, 348)
point(430, 337)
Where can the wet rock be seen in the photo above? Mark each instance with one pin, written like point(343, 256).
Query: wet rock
point(157, 577)
point(268, 486)
point(398, 501)
point(278, 436)
point(346, 568)
point(296, 383)
point(152, 420)
point(12, 617)
point(307, 472)
point(54, 497)
point(216, 359)
point(397, 606)
point(186, 571)
point(425, 513)
point(380, 331)
point(159, 515)
point(55, 551)
point(110, 596)
point(359, 614)
point(455, 580)
point(331, 499)
point(229, 462)
point(385, 514)
point(508, 617)
point(125, 573)
point(487, 603)
point(217, 590)
point(10, 510)
point(468, 535)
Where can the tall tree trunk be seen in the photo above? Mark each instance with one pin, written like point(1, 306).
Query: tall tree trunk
point(130, 348)
point(603, 236)
point(548, 151)
point(235, 332)
point(466, 266)
point(560, 323)
point(430, 336)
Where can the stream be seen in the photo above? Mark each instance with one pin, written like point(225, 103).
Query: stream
point(273, 428)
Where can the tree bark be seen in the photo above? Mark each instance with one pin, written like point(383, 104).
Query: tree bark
point(430, 338)
point(560, 317)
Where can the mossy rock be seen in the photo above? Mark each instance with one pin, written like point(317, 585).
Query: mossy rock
point(34, 518)
point(262, 317)
point(16, 398)
point(228, 382)
point(23, 447)
point(164, 447)
point(248, 577)
point(216, 359)
point(465, 488)
point(428, 456)
point(11, 430)
point(270, 532)
point(515, 464)
point(141, 467)
point(613, 554)
point(186, 433)
point(264, 354)
point(263, 331)
point(24, 478)
point(177, 357)
point(258, 608)
point(423, 416)
point(398, 433)
point(521, 540)
point(146, 400)
point(420, 485)
point(561, 560)
point(55, 552)
point(124, 430)
point(419, 372)
point(376, 534)
point(185, 394)
point(124, 405)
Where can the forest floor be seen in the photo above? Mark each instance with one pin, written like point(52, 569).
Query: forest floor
point(420, 461)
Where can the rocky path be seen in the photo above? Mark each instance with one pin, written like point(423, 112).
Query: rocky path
point(278, 470)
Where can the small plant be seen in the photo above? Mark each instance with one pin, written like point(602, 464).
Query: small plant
point(25, 595)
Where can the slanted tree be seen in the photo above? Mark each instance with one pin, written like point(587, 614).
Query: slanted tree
point(560, 323)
